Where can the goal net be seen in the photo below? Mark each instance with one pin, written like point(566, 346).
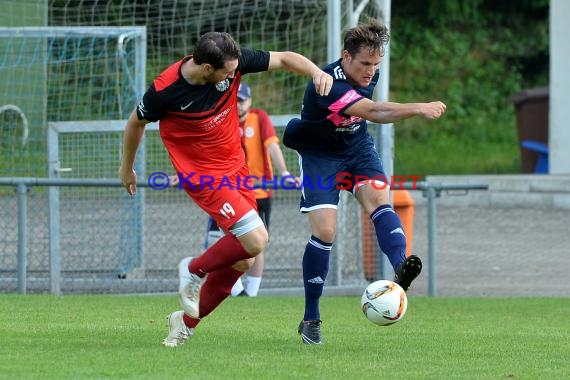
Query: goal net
point(59, 74)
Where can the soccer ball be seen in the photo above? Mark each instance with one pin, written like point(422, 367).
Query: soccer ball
point(384, 302)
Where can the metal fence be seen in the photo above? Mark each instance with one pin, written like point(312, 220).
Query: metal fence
point(88, 247)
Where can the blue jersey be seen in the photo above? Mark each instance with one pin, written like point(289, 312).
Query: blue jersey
point(324, 127)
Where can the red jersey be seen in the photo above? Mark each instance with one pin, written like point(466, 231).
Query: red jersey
point(199, 124)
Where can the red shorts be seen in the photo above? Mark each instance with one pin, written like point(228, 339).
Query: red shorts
point(225, 198)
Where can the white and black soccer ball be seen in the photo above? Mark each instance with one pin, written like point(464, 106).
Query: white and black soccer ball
point(384, 302)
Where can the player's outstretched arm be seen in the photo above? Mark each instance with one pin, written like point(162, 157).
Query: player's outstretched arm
point(299, 64)
point(389, 112)
point(134, 131)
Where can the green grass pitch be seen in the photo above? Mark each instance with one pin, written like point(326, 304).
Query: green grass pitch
point(118, 337)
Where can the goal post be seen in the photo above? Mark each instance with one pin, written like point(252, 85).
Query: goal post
point(67, 73)
point(54, 74)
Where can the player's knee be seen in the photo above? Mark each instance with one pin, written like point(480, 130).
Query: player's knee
point(255, 241)
point(260, 242)
point(325, 233)
point(371, 199)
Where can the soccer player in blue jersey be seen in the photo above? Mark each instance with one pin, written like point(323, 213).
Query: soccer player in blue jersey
point(335, 148)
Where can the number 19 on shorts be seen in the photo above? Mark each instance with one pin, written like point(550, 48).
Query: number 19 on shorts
point(227, 211)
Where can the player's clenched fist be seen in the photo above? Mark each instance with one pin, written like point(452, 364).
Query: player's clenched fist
point(433, 110)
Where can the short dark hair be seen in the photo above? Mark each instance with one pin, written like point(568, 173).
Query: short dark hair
point(215, 48)
point(372, 35)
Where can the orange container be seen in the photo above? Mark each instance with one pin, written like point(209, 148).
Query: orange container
point(404, 206)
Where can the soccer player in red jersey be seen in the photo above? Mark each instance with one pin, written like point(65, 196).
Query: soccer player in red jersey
point(195, 100)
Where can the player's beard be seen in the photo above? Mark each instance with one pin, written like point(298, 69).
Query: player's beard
point(212, 79)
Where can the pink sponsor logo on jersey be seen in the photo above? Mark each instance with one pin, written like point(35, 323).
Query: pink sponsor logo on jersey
point(348, 98)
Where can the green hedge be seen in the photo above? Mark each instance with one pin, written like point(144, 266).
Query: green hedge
point(473, 55)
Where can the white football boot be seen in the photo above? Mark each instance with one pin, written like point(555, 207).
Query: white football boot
point(178, 332)
point(189, 288)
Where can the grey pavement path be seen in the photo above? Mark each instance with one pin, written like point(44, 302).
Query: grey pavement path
point(496, 251)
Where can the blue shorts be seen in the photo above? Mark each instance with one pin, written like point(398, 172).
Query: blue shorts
point(324, 175)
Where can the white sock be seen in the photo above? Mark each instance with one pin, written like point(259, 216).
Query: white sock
point(252, 285)
point(237, 288)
